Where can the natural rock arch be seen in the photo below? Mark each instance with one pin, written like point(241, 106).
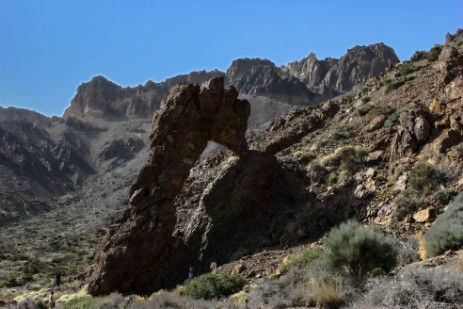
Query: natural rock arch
point(188, 118)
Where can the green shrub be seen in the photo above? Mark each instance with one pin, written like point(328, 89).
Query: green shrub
point(419, 55)
point(393, 119)
point(379, 110)
point(359, 251)
point(210, 286)
point(443, 196)
point(396, 83)
point(12, 282)
point(404, 69)
point(447, 231)
point(337, 167)
point(366, 99)
point(423, 177)
point(362, 110)
point(434, 52)
point(432, 55)
point(301, 259)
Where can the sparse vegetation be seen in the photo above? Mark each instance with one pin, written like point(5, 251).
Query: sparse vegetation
point(444, 196)
point(210, 286)
point(424, 177)
point(366, 99)
point(396, 83)
point(404, 68)
point(379, 110)
point(425, 287)
point(327, 292)
point(336, 168)
point(447, 231)
point(393, 119)
point(419, 55)
point(364, 109)
point(301, 259)
point(432, 55)
point(359, 251)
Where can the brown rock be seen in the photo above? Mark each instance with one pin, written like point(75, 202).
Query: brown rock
point(370, 172)
point(376, 123)
point(239, 268)
point(455, 123)
point(422, 129)
point(422, 215)
point(446, 140)
point(188, 118)
point(374, 156)
point(435, 107)
point(416, 128)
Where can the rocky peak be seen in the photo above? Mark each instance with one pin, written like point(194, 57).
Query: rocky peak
point(330, 76)
point(242, 66)
point(260, 77)
point(105, 99)
point(457, 37)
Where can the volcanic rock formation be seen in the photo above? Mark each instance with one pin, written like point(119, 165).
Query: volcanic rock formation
point(189, 117)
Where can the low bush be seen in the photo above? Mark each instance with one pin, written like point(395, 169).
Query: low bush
point(336, 168)
point(366, 99)
point(209, 286)
point(362, 110)
point(406, 204)
point(434, 52)
point(327, 292)
point(432, 55)
point(405, 69)
point(418, 287)
point(164, 299)
point(424, 177)
point(444, 196)
point(419, 55)
point(447, 231)
point(397, 83)
point(359, 251)
point(393, 119)
point(379, 110)
point(301, 259)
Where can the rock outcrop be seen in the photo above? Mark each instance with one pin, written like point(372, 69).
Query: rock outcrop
point(103, 98)
point(189, 117)
point(415, 130)
point(260, 77)
point(330, 76)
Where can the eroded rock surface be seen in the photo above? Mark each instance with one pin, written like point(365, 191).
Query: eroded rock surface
point(189, 117)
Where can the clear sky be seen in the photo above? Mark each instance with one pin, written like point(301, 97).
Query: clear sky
point(48, 48)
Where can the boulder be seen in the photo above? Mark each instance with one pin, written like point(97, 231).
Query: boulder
point(446, 140)
point(435, 107)
point(415, 130)
point(376, 123)
point(422, 215)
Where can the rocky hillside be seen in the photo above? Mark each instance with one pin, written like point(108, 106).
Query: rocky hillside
point(105, 130)
point(389, 152)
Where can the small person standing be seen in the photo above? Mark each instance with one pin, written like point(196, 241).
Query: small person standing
point(51, 300)
point(190, 273)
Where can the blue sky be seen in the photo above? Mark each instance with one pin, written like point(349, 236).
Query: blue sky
point(49, 47)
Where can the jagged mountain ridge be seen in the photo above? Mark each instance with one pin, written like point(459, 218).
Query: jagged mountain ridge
point(295, 84)
point(106, 128)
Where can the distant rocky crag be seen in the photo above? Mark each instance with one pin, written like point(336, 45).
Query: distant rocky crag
point(302, 83)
